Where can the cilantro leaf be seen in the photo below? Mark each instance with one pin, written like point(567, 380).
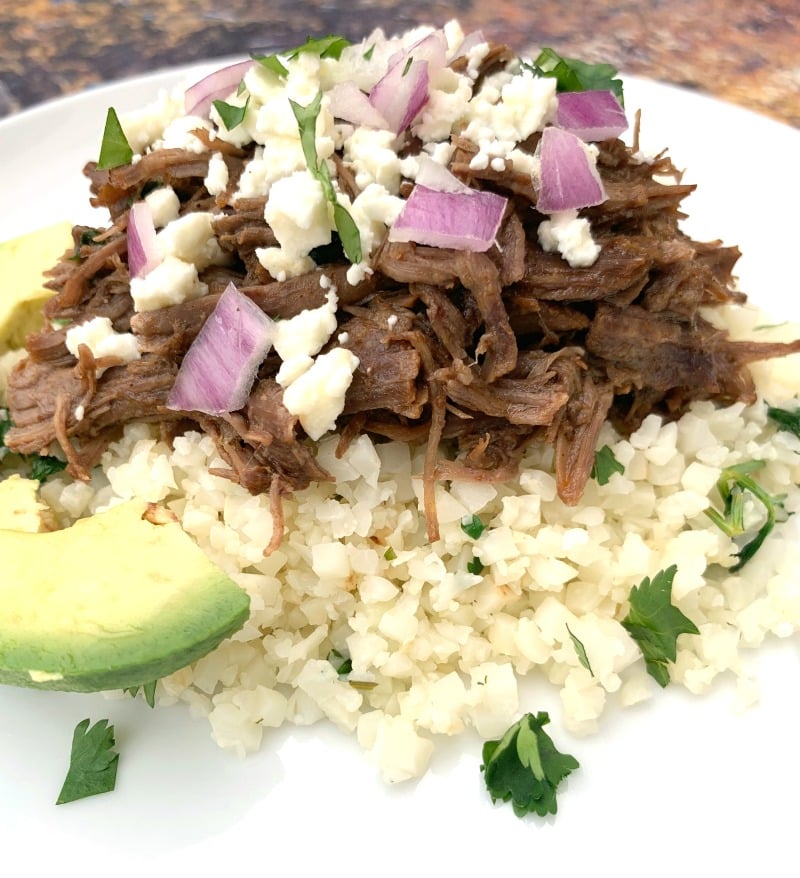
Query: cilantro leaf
point(525, 768)
point(307, 125)
point(732, 484)
point(475, 566)
point(786, 420)
point(148, 690)
point(655, 624)
point(5, 426)
point(572, 74)
point(605, 465)
point(390, 554)
point(330, 46)
point(114, 149)
point(92, 762)
point(473, 527)
point(44, 465)
point(580, 649)
point(230, 114)
point(341, 662)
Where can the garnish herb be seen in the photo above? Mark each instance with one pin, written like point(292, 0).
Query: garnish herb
point(475, 566)
point(43, 466)
point(390, 554)
point(148, 690)
point(525, 768)
point(367, 56)
point(330, 46)
point(230, 114)
point(345, 225)
point(115, 149)
point(92, 762)
point(341, 662)
point(572, 74)
point(580, 649)
point(605, 465)
point(473, 527)
point(785, 419)
point(655, 624)
point(409, 62)
point(5, 426)
point(732, 484)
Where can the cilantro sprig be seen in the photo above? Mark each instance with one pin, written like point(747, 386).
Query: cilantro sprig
point(785, 419)
point(733, 484)
point(572, 74)
point(148, 690)
point(525, 768)
point(231, 114)
point(345, 225)
point(580, 651)
point(472, 526)
point(655, 624)
point(114, 148)
point(92, 762)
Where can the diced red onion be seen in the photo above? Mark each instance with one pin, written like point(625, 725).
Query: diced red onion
point(216, 86)
point(569, 179)
point(219, 368)
point(143, 252)
point(470, 41)
point(591, 115)
point(458, 220)
point(402, 92)
point(348, 102)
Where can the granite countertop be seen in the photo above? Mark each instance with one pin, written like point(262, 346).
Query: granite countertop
point(746, 53)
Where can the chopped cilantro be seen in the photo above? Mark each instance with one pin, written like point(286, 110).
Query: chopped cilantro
point(114, 149)
point(732, 484)
point(390, 554)
point(5, 426)
point(525, 767)
point(330, 46)
point(605, 465)
point(655, 624)
point(92, 762)
point(230, 114)
point(367, 56)
point(148, 690)
point(307, 125)
point(409, 62)
point(572, 74)
point(341, 662)
point(472, 526)
point(475, 566)
point(785, 419)
point(43, 466)
point(580, 649)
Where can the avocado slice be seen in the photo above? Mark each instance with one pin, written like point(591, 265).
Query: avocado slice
point(22, 292)
point(115, 601)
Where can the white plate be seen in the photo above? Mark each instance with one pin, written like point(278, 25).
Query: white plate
point(679, 785)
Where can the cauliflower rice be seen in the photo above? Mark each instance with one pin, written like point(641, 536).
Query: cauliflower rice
point(434, 648)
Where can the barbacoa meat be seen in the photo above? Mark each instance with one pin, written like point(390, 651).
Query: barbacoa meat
point(475, 354)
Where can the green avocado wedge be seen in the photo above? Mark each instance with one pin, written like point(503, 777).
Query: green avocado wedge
point(117, 600)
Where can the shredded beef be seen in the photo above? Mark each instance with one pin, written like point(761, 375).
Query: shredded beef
point(475, 354)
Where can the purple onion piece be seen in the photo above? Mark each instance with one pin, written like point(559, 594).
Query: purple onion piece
point(218, 85)
point(219, 368)
point(143, 252)
point(569, 179)
point(591, 115)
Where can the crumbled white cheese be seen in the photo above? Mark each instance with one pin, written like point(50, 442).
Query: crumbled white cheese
point(216, 180)
point(171, 282)
point(373, 156)
point(299, 216)
point(317, 396)
point(191, 238)
point(373, 211)
point(447, 106)
point(571, 236)
point(164, 205)
point(179, 134)
point(301, 337)
point(99, 336)
point(142, 127)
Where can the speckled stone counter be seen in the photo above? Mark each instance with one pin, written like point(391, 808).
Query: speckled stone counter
point(747, 53)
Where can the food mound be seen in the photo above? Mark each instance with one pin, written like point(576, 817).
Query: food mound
point(449, 249)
